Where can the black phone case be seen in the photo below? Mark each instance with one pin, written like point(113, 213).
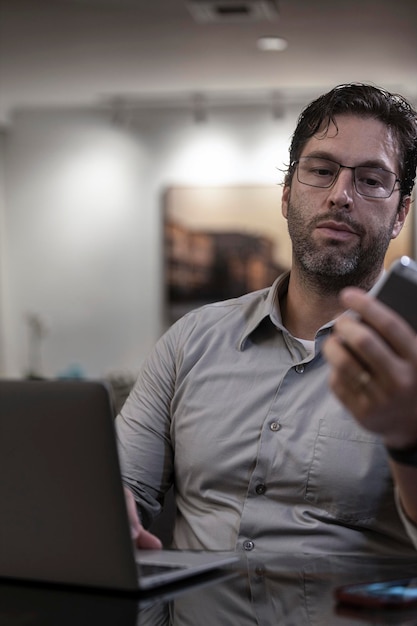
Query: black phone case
point(399, 290)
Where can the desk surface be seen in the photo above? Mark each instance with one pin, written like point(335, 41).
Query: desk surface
point(265, 590)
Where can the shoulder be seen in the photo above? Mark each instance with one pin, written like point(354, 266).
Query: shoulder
point(212, 322)
point(234, 311)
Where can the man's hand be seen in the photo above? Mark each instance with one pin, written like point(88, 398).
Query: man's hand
point(373, 362)
point(142, 539)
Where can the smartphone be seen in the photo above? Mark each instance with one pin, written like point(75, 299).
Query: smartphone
point(398, 289)
point(384, 594)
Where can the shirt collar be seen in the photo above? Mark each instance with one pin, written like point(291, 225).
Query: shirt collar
point(267, 307)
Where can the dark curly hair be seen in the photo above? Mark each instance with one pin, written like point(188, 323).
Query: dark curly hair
point(366, 101)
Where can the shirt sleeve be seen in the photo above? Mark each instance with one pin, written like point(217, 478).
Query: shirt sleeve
point(143, 429)
point(409, 526)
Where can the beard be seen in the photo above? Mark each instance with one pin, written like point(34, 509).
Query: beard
point(331, 266)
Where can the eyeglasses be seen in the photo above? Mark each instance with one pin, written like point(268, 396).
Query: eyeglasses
point(373, 182)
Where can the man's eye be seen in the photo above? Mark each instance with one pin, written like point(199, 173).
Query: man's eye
point(322, 172)
point(372, 178)
point(371, 182)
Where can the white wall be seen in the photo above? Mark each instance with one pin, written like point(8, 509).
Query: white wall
point(83, 223)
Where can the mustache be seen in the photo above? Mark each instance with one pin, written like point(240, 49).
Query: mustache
point(341, 218)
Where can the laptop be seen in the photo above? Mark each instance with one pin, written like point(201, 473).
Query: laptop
point(62, 509)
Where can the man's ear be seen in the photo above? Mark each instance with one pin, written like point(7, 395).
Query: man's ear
point(284, 200)
point(401, 216)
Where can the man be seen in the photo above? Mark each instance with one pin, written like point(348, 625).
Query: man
point(234, 406)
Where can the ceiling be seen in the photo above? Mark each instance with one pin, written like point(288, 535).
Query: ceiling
point(86, 52)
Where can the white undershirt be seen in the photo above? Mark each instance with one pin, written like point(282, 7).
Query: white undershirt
point(309, 345)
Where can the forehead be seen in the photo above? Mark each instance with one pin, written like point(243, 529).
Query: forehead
point(353, 140)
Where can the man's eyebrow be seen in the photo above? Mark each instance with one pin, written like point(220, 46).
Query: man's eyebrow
point(319, 154)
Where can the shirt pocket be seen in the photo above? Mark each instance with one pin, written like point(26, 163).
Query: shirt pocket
point(349, 476)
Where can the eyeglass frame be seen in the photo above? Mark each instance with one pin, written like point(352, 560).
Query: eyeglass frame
point(295, 164)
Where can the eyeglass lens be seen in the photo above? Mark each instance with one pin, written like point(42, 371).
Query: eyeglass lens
point(373, 182)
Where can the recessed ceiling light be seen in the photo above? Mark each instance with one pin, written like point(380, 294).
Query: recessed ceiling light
point(274, 44)
point(233, 10)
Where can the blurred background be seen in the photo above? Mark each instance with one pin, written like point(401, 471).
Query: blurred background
point(105, 105)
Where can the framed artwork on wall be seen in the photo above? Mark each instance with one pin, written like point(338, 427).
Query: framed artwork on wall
point(222, 242)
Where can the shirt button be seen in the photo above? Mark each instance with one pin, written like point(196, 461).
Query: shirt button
point(248, 545)
point(299, 368)
point(260, 489)
point(274, 426)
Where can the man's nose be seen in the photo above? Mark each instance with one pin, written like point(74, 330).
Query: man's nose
point(341, 192)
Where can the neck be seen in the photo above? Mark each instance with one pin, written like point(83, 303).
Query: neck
point(308, 306)
point(304, 310)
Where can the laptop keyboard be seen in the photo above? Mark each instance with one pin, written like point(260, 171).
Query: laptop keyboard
point(150, 569)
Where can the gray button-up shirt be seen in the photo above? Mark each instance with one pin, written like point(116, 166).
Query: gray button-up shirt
point(231, 409)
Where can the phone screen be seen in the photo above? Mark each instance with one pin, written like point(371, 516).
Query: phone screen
point(392, 593)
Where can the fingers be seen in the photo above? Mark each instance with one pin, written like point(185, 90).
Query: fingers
point(373, 368)
point(388, 324)
point(360, 349)
point(147, 541)
point(350, 379)
point(385, 346)
point(142, 538)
